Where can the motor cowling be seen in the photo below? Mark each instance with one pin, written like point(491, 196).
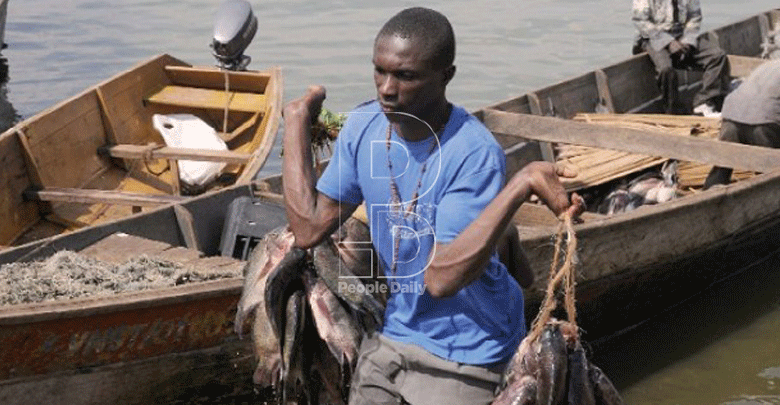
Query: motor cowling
point(234, 28)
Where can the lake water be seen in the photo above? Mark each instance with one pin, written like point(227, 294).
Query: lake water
point(721, 349)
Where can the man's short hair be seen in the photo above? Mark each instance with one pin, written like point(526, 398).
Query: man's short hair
point(430, 27)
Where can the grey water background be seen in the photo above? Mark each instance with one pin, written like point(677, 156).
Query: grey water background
point(721, 348)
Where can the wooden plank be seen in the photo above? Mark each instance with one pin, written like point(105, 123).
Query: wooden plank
point(605, 95)
point(74, 195)
point(265, 132)
point(124, 95)
point(175, 177)
point(534, 104)
point(632, 83)
point(17, 214)
point(652, 143)
point(213, 78)
point(229, 136)
point(186, 226)
point(548, 154)
point(33, 171)
point(208, 99)
point(742, 66)
point(165, 152)
point(564, 99)
point(63, 141)
point(741, 38)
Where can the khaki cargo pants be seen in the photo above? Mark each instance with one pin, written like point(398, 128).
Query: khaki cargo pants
point(390, 372)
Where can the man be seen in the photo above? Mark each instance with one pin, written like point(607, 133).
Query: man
point(669, 31)
point(432, 179)
point(751, 115)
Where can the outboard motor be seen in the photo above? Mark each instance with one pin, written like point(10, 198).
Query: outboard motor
point(234, 28)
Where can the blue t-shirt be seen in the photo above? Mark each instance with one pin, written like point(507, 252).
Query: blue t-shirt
point(464, 170)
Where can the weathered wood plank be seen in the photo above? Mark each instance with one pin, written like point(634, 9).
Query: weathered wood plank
point(208, 99)
point(605, 95)
point(632, 83)
point(62, 141)
point(186, 226)
point(165, 152)
point(17, 214)
point(212, 78)
point(125, 93)
point(741, 38)
point(653, 143)
point(545, 148)
point(73, 195)
point(229, 136)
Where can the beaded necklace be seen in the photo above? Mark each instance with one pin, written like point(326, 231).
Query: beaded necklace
point(395, 195)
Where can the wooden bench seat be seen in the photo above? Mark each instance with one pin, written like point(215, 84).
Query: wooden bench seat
point(181, 96)
point(130, 151)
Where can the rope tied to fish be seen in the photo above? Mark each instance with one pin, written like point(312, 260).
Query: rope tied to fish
point(563, 277)
point(550, 365)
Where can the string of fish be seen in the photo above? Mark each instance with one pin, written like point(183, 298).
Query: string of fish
point(550, 365)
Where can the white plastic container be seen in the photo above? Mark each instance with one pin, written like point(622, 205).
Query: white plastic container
point(189, 131)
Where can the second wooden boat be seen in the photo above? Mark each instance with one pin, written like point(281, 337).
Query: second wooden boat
point(174, 344)
point(98, 157)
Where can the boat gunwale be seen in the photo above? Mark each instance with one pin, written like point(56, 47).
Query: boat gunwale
point(17, 314)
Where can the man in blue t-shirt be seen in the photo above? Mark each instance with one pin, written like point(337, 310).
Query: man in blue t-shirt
point(432, 179)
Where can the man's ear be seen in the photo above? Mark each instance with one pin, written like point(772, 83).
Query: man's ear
point(449, 73)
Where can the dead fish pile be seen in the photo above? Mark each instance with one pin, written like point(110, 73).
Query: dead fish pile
point(313, 300)
point(552, 369)
point(649, 188)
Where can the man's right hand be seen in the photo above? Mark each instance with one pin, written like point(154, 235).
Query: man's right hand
point(307, 107)
point(543, 181)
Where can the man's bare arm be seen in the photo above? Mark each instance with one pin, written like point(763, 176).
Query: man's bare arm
point(463, 260)
point(311, 215)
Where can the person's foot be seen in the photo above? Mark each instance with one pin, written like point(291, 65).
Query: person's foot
point(706, 109)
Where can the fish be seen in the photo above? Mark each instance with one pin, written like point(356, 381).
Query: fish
point(353, 239)
point(334, 324)
point(341, 281)
point(326, 379)
point(580, 386)
point(291, 348)
point(263, 258)
point(266, 256)
point(553, 365)
point(652, 187)
point(283, 280)
point(524, 362)
point(520, 392)
point(603, 389)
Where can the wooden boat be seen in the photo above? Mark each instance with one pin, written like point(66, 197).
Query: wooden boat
point(639, 263)
point(96, 157)
point(636, 264)
point(169, 345)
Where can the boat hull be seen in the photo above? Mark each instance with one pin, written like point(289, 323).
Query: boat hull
point(153, 346)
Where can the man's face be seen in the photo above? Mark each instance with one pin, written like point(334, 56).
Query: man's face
point(405, 79)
